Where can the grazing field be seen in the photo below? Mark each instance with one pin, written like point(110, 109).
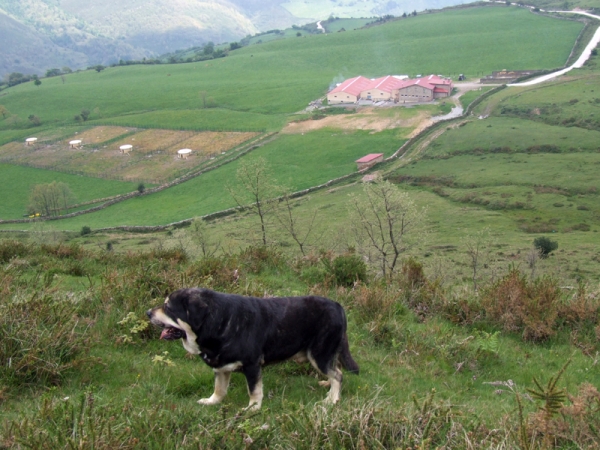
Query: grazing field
point(281, 77)
point(297, 162)
point(17, 182)
point(437, 367)
point(153, 158)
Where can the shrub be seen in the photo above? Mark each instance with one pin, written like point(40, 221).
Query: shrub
point(545, 245)
point(85, 230)
point(11, 249)
point(40, 339)
point(258, 258)
point(346, 270)
point(517, 305)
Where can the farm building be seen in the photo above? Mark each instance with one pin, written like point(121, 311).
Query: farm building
point(381, 89)
point(349, 91)
point(391, 88)
point(369, 160)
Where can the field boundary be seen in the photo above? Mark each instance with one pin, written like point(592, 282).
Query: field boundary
point(250, 146)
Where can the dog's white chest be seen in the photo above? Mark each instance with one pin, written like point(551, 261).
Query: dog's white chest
point(189, 343)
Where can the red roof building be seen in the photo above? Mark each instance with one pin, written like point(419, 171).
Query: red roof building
point(369, 160)
point(349, 91)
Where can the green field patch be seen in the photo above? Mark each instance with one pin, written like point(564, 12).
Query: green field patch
point(573, 103)
point(16, 183)
point(575, 172)
point(200, 120)
point(510, 135)
point(297, 162)
point(339, 25)
point(283, 76)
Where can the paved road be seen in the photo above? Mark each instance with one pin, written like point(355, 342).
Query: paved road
point(580, 61)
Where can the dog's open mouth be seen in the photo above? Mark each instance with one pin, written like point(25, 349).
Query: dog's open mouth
point(170, 334)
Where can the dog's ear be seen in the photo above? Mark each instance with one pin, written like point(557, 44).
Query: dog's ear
point(196, 311)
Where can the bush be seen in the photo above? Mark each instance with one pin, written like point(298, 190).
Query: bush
point(11, 249)
point(545, 245)
point(40, 339)
point(85, 230)
point(346, 269)
point(517, 305)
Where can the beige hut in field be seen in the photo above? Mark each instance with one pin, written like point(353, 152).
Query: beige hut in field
point(30, 141)
point(125, 149)
point(75, 143)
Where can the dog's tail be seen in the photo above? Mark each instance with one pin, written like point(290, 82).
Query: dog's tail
point(345, 357)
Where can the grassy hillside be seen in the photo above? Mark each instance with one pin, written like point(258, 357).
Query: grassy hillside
point(101, 376)
point(283, 76)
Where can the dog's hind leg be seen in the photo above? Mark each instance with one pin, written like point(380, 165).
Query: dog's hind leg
point(255, 387)
point(334, 377)
point(221, 385)
point(333, 374)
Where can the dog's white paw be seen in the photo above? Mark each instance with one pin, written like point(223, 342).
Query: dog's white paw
point(209, 401)
point(252, 407)
point(326, 383)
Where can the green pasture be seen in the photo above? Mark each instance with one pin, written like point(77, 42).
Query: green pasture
point(16, 183)
point(336, 25)
point(513, 135)
point(209, 119)
point(297, 162)
point(281, 77)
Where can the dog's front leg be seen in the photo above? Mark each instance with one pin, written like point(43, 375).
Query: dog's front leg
point(255, 389)
point(221, 385)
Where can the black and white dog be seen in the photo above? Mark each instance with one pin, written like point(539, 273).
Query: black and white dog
point(233, 333)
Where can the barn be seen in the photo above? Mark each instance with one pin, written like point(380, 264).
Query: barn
point(348, 91)
point(381, 89)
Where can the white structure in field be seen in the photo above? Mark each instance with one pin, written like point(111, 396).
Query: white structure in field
point(184, 153)
point(399, 89)
point(125, 148)
point(30, 141)
point(75, 144)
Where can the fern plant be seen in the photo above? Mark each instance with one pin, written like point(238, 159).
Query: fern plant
point(552, 397)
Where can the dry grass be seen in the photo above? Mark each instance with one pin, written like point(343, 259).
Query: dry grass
point(153, 158)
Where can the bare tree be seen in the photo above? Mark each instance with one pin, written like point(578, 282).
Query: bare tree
point(299, 228)
point(200, 235)
point(532, 257)
point(387, 222)
point(256, 192)
point(478, 252)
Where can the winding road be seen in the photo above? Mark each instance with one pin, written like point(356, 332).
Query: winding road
point(585, 55)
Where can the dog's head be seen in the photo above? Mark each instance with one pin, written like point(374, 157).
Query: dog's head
point(183, 309)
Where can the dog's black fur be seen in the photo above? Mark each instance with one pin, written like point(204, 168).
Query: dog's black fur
point(236, 333)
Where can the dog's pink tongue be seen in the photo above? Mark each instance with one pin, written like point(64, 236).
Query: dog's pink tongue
point(164, 333)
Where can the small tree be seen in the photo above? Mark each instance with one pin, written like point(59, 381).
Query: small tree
point(35, 120)
point(256, 192)
point(299, 228)
point(201, 236)
point(386, 223)
point(141, 188)
point(5, 112)
point(545, 245)
point(478, 252)
point(99, 68)
point(50, 199)
point(85, 114)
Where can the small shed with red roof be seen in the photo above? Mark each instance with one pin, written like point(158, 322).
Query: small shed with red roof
point(369, 160)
